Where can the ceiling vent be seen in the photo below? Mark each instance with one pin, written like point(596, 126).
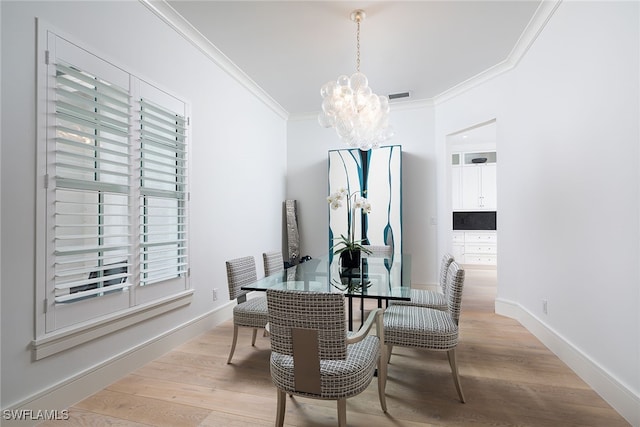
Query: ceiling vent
point(400, 95)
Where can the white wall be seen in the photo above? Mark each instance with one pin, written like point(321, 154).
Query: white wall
point(238, 175)
point(307, 182)
point(1, 38)
point(568, 190)
point(568, 182)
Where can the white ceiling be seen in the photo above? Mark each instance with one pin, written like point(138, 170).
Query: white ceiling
point(291, 48)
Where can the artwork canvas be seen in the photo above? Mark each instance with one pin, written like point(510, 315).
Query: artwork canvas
point(377, 175)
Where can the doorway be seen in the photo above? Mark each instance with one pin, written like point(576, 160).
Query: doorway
point(472, 161)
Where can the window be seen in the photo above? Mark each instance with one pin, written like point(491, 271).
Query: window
point(162, 193)
point(90, 214)
point(114, 157)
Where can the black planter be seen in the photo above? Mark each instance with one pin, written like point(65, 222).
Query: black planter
point(350, 259)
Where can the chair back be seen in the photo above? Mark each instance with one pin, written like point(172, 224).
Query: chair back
point(320, 314)
point(455, 284)
point(447, 259)
point(273, 262)
point(378, 251)
point(240, 272)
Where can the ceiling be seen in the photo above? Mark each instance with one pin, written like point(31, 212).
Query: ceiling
point(291, 48)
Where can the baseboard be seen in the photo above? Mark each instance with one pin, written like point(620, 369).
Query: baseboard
point(616, 394)
point(94, 379)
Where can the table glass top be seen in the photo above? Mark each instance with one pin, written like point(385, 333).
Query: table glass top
point(377, 277)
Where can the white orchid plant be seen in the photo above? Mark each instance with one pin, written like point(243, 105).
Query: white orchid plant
point(354, 203)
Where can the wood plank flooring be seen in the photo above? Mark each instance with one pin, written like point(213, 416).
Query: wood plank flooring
point(508, 377)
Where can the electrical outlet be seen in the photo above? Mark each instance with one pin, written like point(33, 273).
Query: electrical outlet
point(544, 306)
point(215, 294)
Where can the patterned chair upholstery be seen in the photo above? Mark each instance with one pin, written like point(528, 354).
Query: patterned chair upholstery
point(420, 327)
point(273, 262)
point(431, 299)
point(249, 313)
point(313, 356)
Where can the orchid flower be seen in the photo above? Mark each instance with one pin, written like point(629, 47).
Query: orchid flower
point(354, 202)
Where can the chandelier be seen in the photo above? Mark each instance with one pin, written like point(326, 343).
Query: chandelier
point(360, 117)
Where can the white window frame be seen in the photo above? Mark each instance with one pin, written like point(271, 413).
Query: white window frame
point(63, 322)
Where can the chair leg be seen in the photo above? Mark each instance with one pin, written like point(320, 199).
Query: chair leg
point(253, 337)
point(342, 412)
point(454, 370)
point(389, 348)
point(233, 344)
point(282, 402)
point(382, 379)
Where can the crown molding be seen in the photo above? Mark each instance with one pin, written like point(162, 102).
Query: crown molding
point(171, 17)
point(411, 104)
point(538, 21)
point(309, 115)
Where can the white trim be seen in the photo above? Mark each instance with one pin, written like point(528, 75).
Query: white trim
point(85, 383)
point(157, 299)
point(41, 179)
point(310, 115)
point(411, 104)
point(176, 21)
point(612, 390)
point(67, 338)
point(183, 27)
point(535, 26)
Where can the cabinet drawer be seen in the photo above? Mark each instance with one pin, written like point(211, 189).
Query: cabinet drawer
point(480, 249)
point(458, 237)
point(480, 259)
point(471, 237)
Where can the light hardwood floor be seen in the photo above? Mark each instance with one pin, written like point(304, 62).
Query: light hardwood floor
point(508, 377)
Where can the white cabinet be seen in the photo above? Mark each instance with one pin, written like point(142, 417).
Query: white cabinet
point(475, 247)
point(473, 188)
point(479, 187)
point(488, 187)
point(473, 181)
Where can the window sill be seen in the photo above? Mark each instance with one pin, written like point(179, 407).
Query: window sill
point(67, 338)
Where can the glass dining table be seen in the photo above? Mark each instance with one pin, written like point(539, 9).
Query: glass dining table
point(379, 278)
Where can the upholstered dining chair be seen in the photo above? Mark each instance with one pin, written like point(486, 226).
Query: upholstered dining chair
point(427, 328)
point(249, 313)
point(273, 262)
point(428, 298)
point(313, 356)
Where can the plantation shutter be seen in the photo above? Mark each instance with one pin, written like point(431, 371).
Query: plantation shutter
point(92, 156)
point(163, 216)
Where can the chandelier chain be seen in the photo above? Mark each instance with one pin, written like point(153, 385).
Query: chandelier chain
point(358, 47)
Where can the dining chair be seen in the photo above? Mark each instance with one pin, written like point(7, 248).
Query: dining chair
point(428, 298)
point(272, 262)
point(378, 251)
point(427, 328)
point(248, 313)
point(313, 356)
